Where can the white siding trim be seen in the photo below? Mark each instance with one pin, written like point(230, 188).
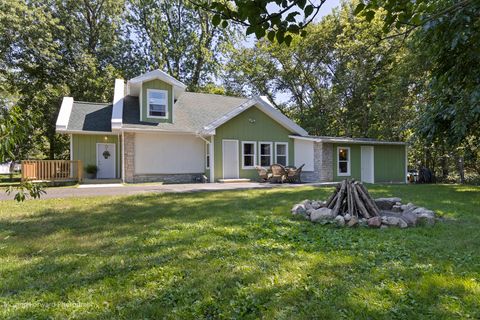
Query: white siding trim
point(117, 110)
point(349, 164)
point(166, 104)
point(212, 158)
point(260, 152)
point(286, 151)
point(64, 114)
point(71, 147)
point(254, 155)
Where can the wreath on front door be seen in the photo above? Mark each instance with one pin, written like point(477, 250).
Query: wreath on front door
point(106, 154)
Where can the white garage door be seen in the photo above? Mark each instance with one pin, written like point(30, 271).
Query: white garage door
point(168, 153)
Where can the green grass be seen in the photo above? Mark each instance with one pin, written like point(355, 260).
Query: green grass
point(236, 254)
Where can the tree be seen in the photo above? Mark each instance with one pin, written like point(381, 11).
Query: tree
point(339, 79)
point(54, 48)
point(178, 38)
point(276, 19)
point(14, 131)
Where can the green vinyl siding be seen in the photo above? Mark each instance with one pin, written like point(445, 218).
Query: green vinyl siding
point(389, 162)
point(354, 162)
point(251, 125)
point(160, 85)
point(85, 149)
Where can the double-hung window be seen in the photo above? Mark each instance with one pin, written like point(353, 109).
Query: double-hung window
point(266, 154)
point(281, 153)
point(249, 153)
point(343, 161)
point(157, 103)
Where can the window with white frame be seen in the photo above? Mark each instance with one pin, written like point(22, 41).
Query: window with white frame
point(343, 161)
point(207, 155)
point(157, 103)
point(281, 153)
point(266, 154)
point(249, 153)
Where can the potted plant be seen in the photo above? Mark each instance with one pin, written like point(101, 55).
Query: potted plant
point(91, 170)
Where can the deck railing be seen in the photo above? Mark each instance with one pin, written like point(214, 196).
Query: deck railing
point(52, 170)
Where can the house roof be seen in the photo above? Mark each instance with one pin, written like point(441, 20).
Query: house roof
point(89, 116)
point(192, 111)
point(328, 139)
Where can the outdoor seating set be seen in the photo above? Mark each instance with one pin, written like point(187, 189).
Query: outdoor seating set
point(280, 174)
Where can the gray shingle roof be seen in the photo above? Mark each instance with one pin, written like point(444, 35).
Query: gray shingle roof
point(192, 111)
point(90, 116)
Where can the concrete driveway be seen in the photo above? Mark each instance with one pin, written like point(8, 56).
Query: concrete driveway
point(130, 189)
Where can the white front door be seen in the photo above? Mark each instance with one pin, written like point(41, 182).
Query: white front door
point(367, 164)
point(106, 160)
point(230, 159)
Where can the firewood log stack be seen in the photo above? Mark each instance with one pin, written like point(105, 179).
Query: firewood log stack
point(352, 197)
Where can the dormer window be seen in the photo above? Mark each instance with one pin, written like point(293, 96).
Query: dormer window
point(157, 103)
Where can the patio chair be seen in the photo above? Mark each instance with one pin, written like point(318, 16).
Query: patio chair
point(279, 173)
point(263, 173)
point(294, 174)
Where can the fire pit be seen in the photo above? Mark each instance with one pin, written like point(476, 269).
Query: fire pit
point(351, 205)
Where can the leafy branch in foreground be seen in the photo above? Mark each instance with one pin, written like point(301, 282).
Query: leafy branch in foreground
point(34, 190)
point(14, 130)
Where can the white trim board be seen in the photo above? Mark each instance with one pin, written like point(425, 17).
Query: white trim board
point(286, 151)
point(64, 114)
point(165, 117)
point(349, 163)
point(260, 152)
point(117, 109)
point(254, 143)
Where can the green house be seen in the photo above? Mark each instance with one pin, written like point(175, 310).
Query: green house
point(154, 130)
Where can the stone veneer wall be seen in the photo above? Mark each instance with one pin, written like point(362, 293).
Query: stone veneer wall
point(131, 177)
point(129, 154)
point(326, 166)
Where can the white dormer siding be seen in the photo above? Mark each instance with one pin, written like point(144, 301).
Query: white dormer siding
point(64, 114)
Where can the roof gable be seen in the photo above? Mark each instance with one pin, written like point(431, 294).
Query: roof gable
point(264, 105)
point(134, 85)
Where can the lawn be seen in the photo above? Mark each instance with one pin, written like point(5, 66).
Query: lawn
point(236, 254)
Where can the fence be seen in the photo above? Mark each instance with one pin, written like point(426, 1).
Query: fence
point(52, 170)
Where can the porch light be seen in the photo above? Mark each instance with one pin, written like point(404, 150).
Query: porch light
point(105, 138)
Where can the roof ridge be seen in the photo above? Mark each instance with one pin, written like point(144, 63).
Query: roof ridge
point(87, 102)
point(216, 94)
